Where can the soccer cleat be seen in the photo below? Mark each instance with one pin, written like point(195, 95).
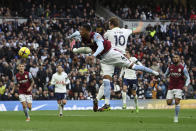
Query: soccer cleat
point(124, 106)
point(28, 119)
point(137, 109)
point(95, 105)
point(105, 108)
point(175, 119)
point(155, 73)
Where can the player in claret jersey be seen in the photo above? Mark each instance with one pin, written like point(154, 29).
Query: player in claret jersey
point(179, 80)
point(25, 82)
point(102, 50)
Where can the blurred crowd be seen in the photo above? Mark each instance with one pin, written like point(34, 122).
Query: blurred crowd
point(47, 9)
point(46, 38)
point(152, 9)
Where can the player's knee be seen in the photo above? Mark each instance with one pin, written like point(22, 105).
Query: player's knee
point(134, 93)
point(124, 89)
point(169, 102)
point(177, 102)
point(64, 101)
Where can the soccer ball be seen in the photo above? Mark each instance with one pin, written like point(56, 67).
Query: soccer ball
point(24, 52)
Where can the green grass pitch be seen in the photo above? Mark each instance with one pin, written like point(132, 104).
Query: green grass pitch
point(115, 120)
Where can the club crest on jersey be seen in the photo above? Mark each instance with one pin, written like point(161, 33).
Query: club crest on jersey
point(25, 76)
point(179, 70)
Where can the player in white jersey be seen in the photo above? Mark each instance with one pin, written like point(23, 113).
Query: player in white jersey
point(119, 38)
point(60, 80)
point(130, 82)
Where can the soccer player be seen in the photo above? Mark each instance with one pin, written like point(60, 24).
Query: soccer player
point(102, 50)
point(130, 82)
point(179, 80)
point(25, 82)
point(60, 80)
point(119, 39)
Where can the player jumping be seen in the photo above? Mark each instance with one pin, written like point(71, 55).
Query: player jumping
point(25, 82)
point(179, 80)
point(103, 50)
point(60, 80)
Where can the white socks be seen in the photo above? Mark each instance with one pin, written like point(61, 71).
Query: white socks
point(124, 97)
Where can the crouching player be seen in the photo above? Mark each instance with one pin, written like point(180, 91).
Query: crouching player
point(60, 80)
point(25, 82)
point(130, 82)
point(179, 80)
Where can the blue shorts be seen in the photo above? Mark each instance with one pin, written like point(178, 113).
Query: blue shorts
point(131, 84)
point(60, 96)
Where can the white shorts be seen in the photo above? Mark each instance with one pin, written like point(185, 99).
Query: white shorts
point(25, 98)
point(107, 69)
point(115, 58)
point(175, 93)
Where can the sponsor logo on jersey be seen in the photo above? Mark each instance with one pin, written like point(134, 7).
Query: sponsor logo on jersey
point(23, 81)
point(175, 74)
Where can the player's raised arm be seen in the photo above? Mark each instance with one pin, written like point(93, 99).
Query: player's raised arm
point(76, 35)
point(138, 29)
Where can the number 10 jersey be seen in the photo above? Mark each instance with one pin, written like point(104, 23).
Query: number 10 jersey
point(118, 37)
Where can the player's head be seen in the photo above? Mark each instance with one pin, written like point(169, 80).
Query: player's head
point(127, 54)
point(59, 69)
point(85, 30)
point(21, 67)
point(176, 59)
point(113, 22)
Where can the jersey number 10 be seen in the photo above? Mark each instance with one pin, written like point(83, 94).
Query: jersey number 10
point(119, 40)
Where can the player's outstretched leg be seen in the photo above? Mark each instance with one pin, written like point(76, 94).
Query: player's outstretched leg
point(107, 87)
point(145, 69)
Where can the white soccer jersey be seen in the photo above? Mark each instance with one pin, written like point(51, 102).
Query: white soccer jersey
point(118, 37)
point(60, 81)
point(128, 73)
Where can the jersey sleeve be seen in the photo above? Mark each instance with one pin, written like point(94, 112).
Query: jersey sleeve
point(187, 76)
point(106, 35)
point(53, 80)
point(99, 41)
point(15, 80)
point(166, 73)
point(67, 81)
point(129, 31)
point(30, 76)
point(76, 35)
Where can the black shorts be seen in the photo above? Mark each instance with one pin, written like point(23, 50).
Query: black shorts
point(60, 96)
point(131, 84)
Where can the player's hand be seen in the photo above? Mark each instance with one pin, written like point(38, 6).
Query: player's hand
point(29, 89)
point(12, 92)
point(185, 88)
